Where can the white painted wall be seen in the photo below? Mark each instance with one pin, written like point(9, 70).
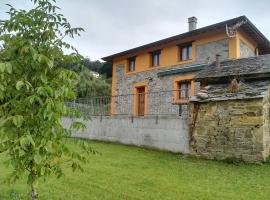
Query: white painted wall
point(165, 133)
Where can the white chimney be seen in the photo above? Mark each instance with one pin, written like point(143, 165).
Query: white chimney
point(192, 23)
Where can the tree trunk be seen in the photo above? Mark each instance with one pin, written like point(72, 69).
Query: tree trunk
point(34, 193)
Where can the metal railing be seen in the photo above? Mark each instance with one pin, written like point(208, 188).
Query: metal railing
point(140, 104)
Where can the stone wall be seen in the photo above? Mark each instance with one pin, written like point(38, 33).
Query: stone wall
point(206, 53)
point(245, 51)
point(266, 123)
point(124, 83)
point(232, 129)
point(164, 133)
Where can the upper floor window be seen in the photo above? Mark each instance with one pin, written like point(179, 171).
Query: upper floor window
point(156, 58)
point(186, 52)
point(131, 64)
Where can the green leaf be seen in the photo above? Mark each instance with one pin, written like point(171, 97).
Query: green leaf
point(17, 120)
point(21, 152)
point(26, 141)
point(78, 125)
point(42, 171)
point(49, 63)
point(9, 68)
point(19, 85)
point(42, 59)
point(37, 158)
point(43, 78)
point(2, 67)
point(49, 147)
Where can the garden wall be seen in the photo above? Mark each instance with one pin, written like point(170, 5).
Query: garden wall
point(231, 129)
point(168, 133)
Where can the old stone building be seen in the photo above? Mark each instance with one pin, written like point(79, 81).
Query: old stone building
point(226, 124)
point(204, 92)
point(170, 65)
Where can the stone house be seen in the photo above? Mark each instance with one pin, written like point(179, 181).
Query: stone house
point(176, 94)
point(171, 64)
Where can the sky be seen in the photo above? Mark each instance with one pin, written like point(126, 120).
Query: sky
point(112, 26)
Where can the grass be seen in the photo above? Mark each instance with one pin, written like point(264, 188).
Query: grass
point(130, 173)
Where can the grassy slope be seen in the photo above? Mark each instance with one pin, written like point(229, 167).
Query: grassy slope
point(123, 172)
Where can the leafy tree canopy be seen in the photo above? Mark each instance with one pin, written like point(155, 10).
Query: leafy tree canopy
point(90, 85)
point(103, 68)
point(33, 88)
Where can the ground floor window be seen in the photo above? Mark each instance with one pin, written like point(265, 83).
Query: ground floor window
point(184, 88)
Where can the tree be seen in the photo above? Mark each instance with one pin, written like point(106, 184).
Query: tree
point(33, 88)
point(106, 69)
point(90, 86)
point(92, 65)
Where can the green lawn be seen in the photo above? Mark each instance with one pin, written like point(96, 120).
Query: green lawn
point(124, 172)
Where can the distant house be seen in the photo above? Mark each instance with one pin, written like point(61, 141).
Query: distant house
point(171, 64)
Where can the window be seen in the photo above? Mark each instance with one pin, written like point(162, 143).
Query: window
point(155, 58)
point(141, 101)
point(184, 90)
point(186, 52)
point(184, 93)
point(131, 64)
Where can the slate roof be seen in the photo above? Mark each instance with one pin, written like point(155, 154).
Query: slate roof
point(258, 65)
point(249, 28)
point(247, 90)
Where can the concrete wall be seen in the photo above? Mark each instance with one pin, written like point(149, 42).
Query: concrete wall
point(231, 129)
point(164, 133)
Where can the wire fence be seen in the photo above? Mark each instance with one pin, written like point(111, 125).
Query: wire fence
point(170, 102)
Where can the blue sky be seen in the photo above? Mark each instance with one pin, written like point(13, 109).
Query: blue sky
point(112, 26)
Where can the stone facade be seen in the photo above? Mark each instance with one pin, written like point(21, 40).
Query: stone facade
point(246, 51)
point(206, 53)
point(124, 83)
point(161, 102)
point(266, 123)
point(231, 129)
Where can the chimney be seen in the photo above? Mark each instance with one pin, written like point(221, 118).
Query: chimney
point(217, 60)
point(192, 23)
